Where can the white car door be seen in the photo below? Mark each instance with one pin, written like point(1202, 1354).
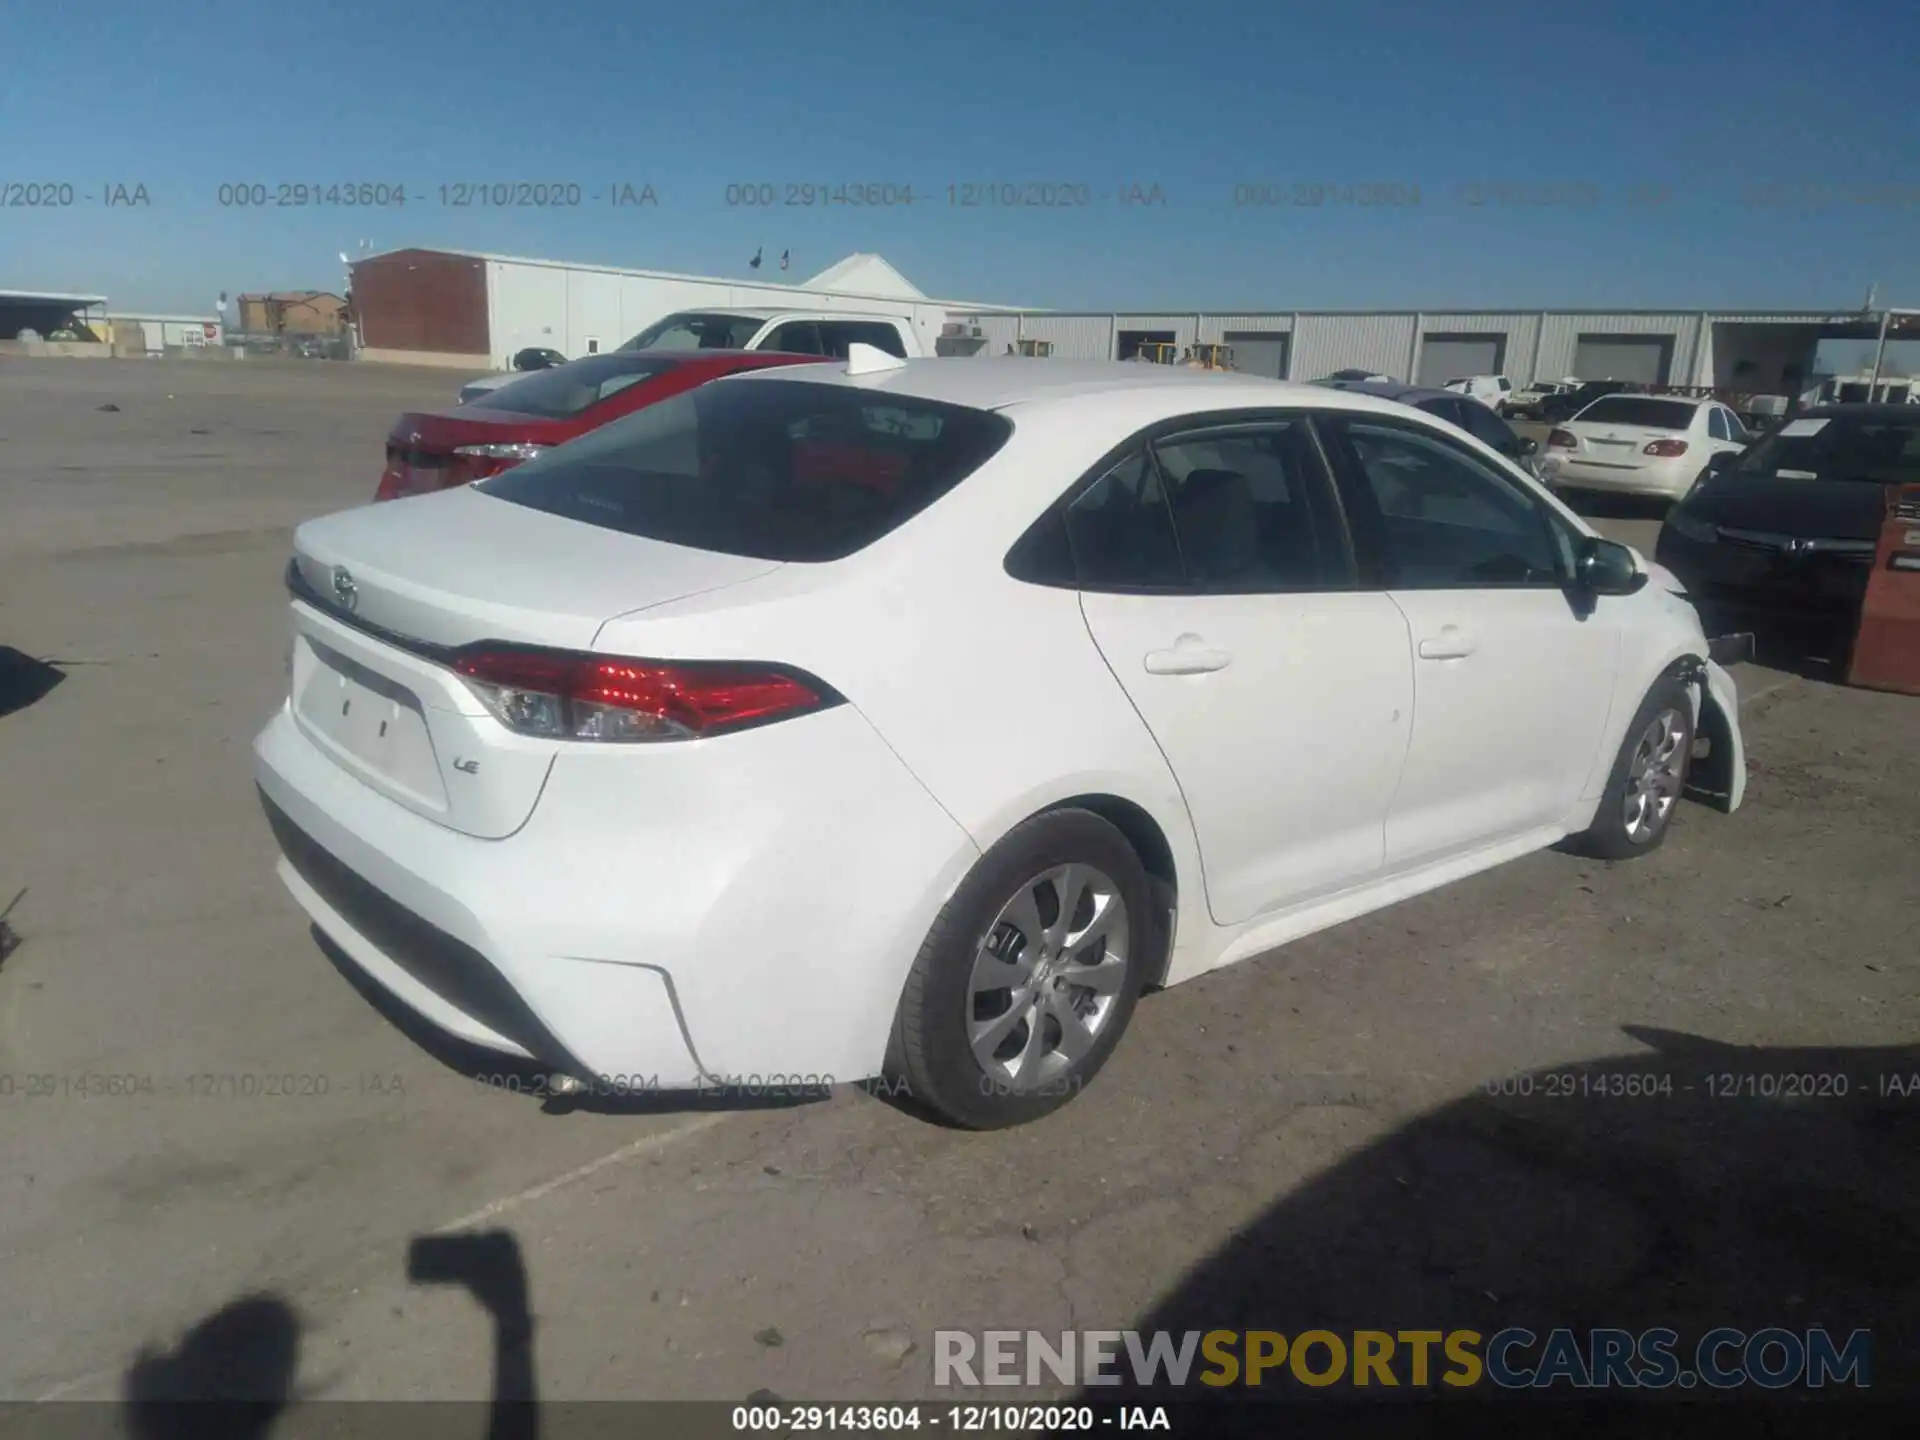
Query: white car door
point(1513, 671)
point(1217, 580)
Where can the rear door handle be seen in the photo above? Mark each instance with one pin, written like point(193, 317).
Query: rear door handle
point(1187, 657)
point(1451, 643)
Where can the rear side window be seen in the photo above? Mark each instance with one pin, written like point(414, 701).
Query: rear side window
point(772, 469)
point(1121, 531)
point(1639, 410)
point(1243, 504)
point(1717, 425)
point(564, 391)
point(797, 337)
point(837, 335)
point(691, 330)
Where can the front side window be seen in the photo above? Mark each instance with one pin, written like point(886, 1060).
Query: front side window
point(772, 469)
point(1490, 430)
point(1446, 519)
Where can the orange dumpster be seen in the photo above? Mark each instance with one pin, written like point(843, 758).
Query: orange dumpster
point(1886, 647)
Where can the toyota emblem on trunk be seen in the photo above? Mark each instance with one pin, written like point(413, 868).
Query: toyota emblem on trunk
point(344, 590)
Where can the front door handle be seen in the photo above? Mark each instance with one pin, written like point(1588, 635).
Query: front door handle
point(1452, 643)
point(1189, 656)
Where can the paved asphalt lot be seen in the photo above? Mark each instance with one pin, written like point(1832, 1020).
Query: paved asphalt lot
point(1305, 1139)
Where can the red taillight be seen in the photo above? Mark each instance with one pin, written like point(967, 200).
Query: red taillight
point(1667, 449)
point(564, 696)
point(1562, 439)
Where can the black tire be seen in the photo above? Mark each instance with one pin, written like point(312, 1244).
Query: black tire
point(931, 1055)
point(1611, 837)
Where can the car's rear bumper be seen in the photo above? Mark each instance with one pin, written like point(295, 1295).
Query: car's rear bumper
point(1668, 481)
point(745, 908)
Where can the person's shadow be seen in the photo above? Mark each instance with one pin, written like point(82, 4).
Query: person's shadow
point(233, 1376)
point(228, 1380)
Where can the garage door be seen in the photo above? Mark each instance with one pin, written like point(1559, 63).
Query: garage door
point(1258, 352)
point(1454, 357)
point(1623, 357)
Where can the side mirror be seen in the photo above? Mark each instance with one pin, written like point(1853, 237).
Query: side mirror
point(1529, 445)
point(1721, 459)
point(1604, 567)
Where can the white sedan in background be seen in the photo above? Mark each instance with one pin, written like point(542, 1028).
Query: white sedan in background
point(912, 717)
point(1653, 445)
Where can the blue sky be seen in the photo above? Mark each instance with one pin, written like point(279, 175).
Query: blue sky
point(1622, 153)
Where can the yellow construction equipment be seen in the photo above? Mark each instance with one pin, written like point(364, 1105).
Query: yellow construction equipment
point(1209, 357)
point(1036, 349)
point(1155, 352)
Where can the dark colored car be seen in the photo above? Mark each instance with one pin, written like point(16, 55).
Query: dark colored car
point(1788, 527)
point(1556, 408)
point(1470, 415)
point(437, 450)
point(537, 357)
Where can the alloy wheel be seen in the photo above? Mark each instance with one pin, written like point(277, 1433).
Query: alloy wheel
point(1046, 976)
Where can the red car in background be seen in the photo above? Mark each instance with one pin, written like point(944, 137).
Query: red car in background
point(439, 450)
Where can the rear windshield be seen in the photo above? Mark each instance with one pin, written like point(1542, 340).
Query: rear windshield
point(772, 469)
point(1639, 410)
point(564, 391)
point(693, 331)
point(1881, 451)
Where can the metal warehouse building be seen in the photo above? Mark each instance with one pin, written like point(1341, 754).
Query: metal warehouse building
point(463, 308)
point(1759, 352)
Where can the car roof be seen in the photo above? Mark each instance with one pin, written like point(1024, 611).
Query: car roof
point(776, 312)
point(1002, 382)
point(1393, 390)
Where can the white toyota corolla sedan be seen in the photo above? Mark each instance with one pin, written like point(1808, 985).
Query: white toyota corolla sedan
point(909, 718)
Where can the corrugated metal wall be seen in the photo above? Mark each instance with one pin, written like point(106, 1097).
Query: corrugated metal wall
point(1519, 332)
point(1184, 327)
point(1074, 337)
point(1560, 336)
point(1325, 343)
point(1213, 328)
point(1539, 346)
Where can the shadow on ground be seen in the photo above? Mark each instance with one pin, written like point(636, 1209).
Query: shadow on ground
point(24, 680)
point(233, 1376)
point(1692, 1185)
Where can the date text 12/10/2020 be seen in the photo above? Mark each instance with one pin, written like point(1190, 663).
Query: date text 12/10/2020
point(971, 195)
point(1717, 1085)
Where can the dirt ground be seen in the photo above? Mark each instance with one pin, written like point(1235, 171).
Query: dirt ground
point(1334, 1135)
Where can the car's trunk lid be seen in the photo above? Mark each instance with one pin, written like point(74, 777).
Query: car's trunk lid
point(1620, 446)
point(423, 447)
point(385, 594)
